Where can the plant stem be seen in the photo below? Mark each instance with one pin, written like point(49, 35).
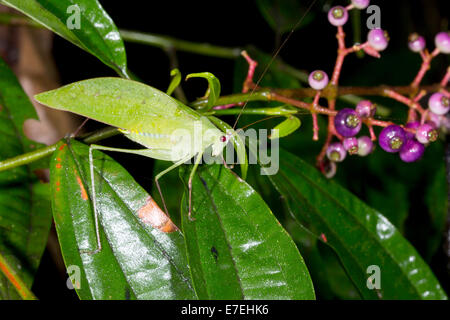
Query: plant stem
point(10, 274)
point(165, 42)
point(27, 158)
point(255, 111)
point(33, 156)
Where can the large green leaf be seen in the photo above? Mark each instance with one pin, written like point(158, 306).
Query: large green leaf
point(236, 247)
point(25, 214)
point(360, 235)
point(143, 253)
point(96, 32)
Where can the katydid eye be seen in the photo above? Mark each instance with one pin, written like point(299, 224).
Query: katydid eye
point(223, 138)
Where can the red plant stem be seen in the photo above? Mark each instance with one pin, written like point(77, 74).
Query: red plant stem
point(342, 52)
point(426, 61)
point(314, 117)
point(373, 137)
point(252, 64)
point(446, 78)
point(407, 101)
point(315, 127)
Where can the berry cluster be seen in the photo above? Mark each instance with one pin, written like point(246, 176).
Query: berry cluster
point(408, 140)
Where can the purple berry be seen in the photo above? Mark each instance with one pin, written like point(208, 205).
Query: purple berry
point(439, 103)
point(426, 133)
point(378, 39)
point(365, 146)
point(442, 41)
point(360, 4)
point(366, 109)
point(338, 16)
point(318, 80)
point(336, 152)
point(412, 151)
point(392, 138)
point(416, 42)
point(350, 145)
point(411, 125)
point(347, 122)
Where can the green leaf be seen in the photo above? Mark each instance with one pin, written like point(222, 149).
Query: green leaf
point(176, 74)
point(285, 128)
point(360, 236)
point(284, 15)
point(25, 214)
point(329, 277)
point(213, 92)
point(436, 198)
point(236, 247)
point(143, 253)
point(95, 32)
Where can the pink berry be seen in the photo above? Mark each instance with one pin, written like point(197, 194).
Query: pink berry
point(366, 109)
point(442, 41)
point(416, 42)
point(378, 39)
point(318, 79)
point(426, 133)
point(439, 103)
point(434, 119)
point(365, 146)
point(338, 16)
point(360, 4)
point(350, 145)
point(336, 152)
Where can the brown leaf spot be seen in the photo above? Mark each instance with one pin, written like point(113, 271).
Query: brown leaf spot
point(152, 214)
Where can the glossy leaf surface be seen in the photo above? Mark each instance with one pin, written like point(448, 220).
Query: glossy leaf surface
point(83, 22)
point(143, 254)
point(360, 236)
point(236, 247)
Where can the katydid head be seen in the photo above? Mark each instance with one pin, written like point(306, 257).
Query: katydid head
point(219, 144)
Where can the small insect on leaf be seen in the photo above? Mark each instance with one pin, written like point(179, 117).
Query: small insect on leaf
point(285, 128)
point(213, 92)
point(176, 74)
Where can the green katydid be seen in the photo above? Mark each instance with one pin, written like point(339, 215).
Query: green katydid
point(166, 128)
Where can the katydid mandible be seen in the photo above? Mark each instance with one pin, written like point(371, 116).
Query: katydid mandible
point(167, 129)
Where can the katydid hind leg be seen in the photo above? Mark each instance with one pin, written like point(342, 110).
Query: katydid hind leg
point(93, 147)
